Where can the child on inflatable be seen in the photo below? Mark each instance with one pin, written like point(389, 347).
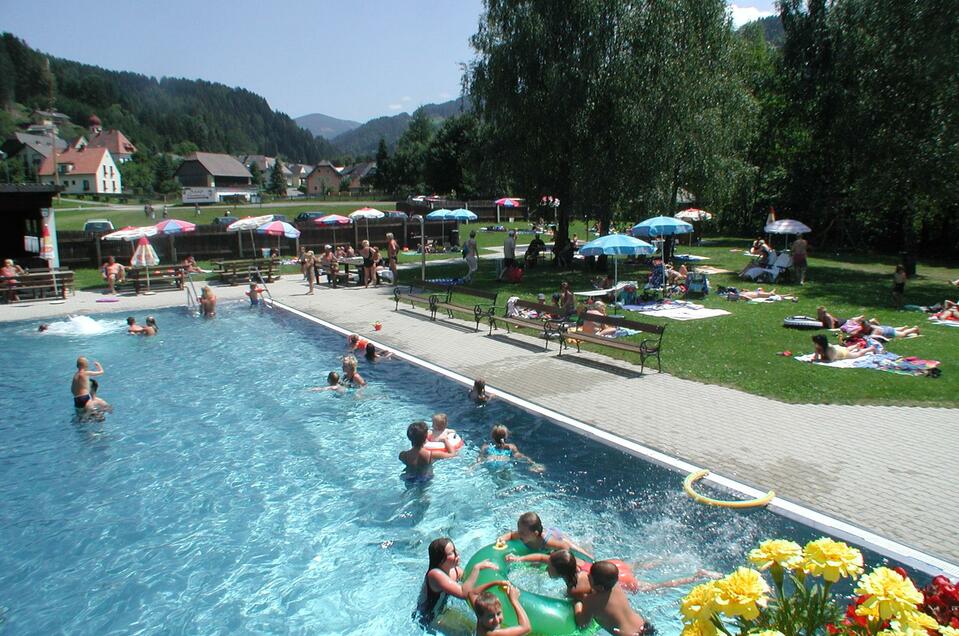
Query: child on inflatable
point(529, 530)
point(419, 460)
point(489, 611)
point(561, 564)
point(607, 604)
point(502, 451)
point(442, 438)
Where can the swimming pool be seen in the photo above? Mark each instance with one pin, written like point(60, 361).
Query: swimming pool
point(223, 497)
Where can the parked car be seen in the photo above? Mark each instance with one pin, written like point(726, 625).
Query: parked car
point(97, 225)
point(224, 220)
point(306, 217)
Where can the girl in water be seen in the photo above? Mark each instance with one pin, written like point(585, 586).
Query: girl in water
point(561, 564)
point(529, 530)
point(502, 451)
point(442, 580)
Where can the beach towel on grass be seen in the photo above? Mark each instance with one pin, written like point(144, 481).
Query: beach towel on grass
point(606, 292)
point(945, 323)
point(887, 361)
point(676, 310)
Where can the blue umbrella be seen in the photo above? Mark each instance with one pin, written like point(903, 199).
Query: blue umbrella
point(462, 214)
point(661, 226)
point(442, 215)
point(616, 245)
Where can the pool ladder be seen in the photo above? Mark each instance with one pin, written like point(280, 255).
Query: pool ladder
point(192, 298)
point(262, 281)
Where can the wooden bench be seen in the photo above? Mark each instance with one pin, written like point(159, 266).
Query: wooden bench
point(479, 310)
point(429, 295)
point(40, 284)
point(547, 321)
point(242, 271)
point(160, 277)
point(647, 348)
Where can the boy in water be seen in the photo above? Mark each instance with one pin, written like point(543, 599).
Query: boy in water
point(81, 383)
point(150, 329)
point(478, 393)
point(418, 460)
point(440, 433)
point(489, 611)
point(608, 604)
point(96, 407)
point(132, 327)
point(332, 383)
point(254, 294)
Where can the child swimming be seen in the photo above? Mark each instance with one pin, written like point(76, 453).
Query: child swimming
point(478, 393)
point(561, 564)
point(529, 530)
point(502, 451)
point(332, 383)
point(254, 293)
point(350, 374)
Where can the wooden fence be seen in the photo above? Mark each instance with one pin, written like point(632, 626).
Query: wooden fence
point(85, 249)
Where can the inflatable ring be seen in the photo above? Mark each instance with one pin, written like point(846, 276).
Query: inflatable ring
point(547, 615)
point(456, 443)
point(749, 503)
point(802, 322)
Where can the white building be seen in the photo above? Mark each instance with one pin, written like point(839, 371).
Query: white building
point(84, 171)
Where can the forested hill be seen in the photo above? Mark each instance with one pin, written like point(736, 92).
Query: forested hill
point(155, 114)
point(365, 139)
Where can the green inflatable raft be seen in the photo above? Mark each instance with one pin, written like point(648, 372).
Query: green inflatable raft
point(548, 616)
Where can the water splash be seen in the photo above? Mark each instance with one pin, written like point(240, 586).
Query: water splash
point(83, 326)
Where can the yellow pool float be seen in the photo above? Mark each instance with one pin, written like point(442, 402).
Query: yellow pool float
point(748, 503)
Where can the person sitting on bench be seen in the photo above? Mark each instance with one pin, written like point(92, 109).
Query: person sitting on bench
point(596, 328)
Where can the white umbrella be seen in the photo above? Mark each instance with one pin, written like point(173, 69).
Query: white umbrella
point(249, 223)
point(787, 226)
point(366, 213)
point(693, 214)
point(130, 233)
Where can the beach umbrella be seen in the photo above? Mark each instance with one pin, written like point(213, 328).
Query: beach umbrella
point(616, 245)
point(145, 256)
point(47, 250)
point(442, 215)
point(506, 202)
point(462, 214)
point(171, 227)
point(661, 226)
point(334, 220)
point(278, 229)
point(787, 226)
point(130, 233)
point(693, 214)
point(248, 224)
point(366, 213)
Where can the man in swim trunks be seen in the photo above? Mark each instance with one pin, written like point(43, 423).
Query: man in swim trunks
point(81, 383)
point(132, 327)
point(608, 604)
point(113, 273)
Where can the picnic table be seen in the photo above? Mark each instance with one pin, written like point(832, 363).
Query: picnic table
point(38, 284)
point(236, 271)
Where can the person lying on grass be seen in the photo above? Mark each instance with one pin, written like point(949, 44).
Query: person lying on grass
point(826, 352)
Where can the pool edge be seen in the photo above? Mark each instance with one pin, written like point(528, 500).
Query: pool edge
point(913, 557)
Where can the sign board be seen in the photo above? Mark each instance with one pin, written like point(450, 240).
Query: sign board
point(199, 195)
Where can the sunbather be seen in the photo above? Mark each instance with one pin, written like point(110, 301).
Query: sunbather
point(676, 276)
point(950, 311)
point(761, 294)
point(827, 319)
point(826, 352)
point(889, 332)
point(596, 327)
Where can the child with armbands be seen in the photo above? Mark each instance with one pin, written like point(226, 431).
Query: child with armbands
point(489, 611)
point(529, 530)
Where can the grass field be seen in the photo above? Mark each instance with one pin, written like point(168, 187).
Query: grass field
point(740, 350)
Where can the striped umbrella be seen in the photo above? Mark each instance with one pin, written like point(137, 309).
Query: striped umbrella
point(278, 229)
point(367, 213)
point(334, 220)
point(145, 256)
point(248, 224)
point(507, 202)
point(174, 226)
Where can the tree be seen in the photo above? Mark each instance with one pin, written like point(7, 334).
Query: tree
point(138, 173)
point(448, 165)
point(163, 179)
point(256, 174)
point(381, 180)
point(407, 167)
point(277, 180)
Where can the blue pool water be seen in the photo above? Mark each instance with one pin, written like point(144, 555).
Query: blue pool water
point(222, 497)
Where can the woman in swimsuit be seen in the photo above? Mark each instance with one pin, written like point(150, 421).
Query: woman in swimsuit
point(418, 460)
point(369, 263)
point(442, 580)
point(10, 271)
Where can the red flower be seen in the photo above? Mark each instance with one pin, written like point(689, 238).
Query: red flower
point(940, 580)
point(901, 572)
point(954, 623)
point(832, 629)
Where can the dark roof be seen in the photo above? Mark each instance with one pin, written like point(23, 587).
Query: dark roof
point(50, 188)
point(220, 165)
point(40, 143)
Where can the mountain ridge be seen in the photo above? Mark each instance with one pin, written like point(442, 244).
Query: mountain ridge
point(325, 126)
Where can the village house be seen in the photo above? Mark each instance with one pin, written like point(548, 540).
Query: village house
point(358, 174)
point(213, 177)
point(113, 140)
point(31, 148)
point(325, 177)
point(83, 171)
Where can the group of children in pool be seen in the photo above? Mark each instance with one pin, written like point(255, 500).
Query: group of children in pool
point(595, 590)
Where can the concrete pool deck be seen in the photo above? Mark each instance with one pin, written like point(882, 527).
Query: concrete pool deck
point(889, 470)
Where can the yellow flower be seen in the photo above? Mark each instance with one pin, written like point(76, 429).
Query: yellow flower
point(916, 620)
point(945, 630)
point(889, 593)
point(699, 628)
point(908, 631)
point(742, 593)
point(767, 632)
point(831, 559)
point(785, 554)
point(700, 604)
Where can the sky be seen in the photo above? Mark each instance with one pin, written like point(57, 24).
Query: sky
point(348, 60)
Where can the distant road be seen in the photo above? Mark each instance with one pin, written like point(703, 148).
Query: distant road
point(117, 207)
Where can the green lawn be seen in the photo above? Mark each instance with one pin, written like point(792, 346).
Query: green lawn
point(740, 350)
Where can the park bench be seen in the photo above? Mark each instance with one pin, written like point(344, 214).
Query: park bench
point(423, 293)
point(478, 309)
point(547, 320)
point(241, 271)
point(647, 348)
point(40, 284)
point(160, 277)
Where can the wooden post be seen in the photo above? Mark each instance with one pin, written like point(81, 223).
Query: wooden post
point(96, 247)
point(172, 248)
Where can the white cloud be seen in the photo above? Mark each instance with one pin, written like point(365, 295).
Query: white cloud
point(395, 106)
point(742, 15)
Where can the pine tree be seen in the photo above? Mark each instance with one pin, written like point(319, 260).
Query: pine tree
point(277, 180)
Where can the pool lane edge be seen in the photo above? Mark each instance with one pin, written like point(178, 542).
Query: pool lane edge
point(820, 521)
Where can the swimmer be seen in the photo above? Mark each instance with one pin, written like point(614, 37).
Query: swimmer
point(132, 327)
point(81, 382)
point(332, 383)
point(350, 375)
point(478, 393)
point(354, 342)
point(372, 355)
point(43, 327)
point(96, 407)
point(607, 603)
point(529, 530)
point(254, 294)
point(440, 433)
point(442, 581)
point(502, 451)
point(150, 329)
point(489, 611)
point(561, 564)
point(207, 302)
point(418, 460)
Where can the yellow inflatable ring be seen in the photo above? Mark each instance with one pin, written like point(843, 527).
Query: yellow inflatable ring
point(749, 503)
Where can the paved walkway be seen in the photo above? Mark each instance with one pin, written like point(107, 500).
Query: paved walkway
point(891, 470)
